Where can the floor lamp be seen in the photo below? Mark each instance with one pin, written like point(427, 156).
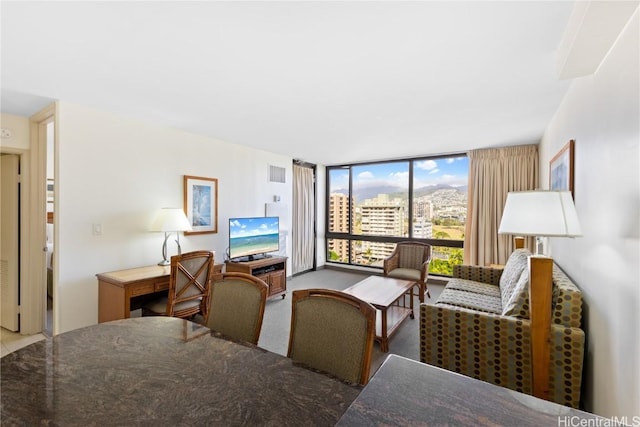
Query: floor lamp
point(170, 220)
point(540, 214)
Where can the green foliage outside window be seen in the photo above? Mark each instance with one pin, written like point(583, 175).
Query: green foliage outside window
point(443, 264)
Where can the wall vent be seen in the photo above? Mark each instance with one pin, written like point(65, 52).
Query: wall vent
point(277, 174)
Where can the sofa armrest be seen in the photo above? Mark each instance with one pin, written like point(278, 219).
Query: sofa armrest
point(565, 365)
point(485, 346)
point(424, 270)
point(497, 349)
point(477, 273)
point(391, 263)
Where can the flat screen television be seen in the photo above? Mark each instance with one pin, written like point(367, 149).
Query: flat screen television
point(252, 238)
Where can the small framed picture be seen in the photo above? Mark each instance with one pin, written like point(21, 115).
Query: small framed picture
point(201, 204)
point(561, 169)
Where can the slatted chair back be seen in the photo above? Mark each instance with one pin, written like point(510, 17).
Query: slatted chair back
point(189, 287)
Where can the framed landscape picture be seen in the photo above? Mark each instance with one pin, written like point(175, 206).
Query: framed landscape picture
point(201, 204)
point(561, 169)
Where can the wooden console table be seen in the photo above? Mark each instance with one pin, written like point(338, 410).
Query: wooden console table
point(120, 292)
point(272, 270)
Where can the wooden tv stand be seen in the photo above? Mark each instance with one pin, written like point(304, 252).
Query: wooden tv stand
point(272, 269)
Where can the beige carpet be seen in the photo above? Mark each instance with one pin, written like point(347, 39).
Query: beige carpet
point(277, 317)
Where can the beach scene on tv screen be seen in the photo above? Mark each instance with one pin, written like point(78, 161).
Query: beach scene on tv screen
point(251, 236)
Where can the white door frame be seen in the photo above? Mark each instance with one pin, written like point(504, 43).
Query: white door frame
point(33, 290)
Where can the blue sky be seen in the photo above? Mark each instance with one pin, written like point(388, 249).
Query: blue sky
point(240, 227)
point(450, 171)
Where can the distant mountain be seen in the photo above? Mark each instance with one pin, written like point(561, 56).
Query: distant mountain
point(393, 191)
point(430, 189)
point(425, 191)
point(371, 192)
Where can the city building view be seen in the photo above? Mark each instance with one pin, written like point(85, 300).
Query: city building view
point(376, 200)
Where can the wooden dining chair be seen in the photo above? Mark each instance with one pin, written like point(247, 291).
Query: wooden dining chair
point(237, 306)
point(332, 332)
point(189, 287)
point(410, 261)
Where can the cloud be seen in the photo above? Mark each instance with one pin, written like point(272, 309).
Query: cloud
point(399, 176)
point(434, 171)
point(339, 181)
point(426, 164)
point(365, 175)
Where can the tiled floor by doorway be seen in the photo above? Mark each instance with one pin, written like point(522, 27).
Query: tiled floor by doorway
point(12, 341)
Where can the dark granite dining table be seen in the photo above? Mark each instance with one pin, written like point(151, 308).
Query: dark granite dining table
point(404, 392)
point(162, 371)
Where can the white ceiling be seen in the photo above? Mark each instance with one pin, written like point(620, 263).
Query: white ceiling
point(326, 82)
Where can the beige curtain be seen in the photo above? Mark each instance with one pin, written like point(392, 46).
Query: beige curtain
point(492, 174)
point(302, 234)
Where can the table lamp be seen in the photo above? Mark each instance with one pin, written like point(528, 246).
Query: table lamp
point(170, 220)
point(540, 214)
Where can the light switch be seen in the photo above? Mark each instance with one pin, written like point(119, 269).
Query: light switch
point(97, 229)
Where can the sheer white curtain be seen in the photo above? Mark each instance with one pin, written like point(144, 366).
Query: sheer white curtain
point(303, 234)
point(492, 174)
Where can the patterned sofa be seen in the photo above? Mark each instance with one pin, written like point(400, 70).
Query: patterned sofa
point(480, 327)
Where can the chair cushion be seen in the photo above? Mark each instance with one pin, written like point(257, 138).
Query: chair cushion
point(405, 273)
point(470, 300)
point(476, 287)
point(517, 262)
point(159, 306)
point(518, 303)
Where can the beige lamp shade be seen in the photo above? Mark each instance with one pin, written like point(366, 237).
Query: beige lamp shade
point(171, 219)
point(540, 213)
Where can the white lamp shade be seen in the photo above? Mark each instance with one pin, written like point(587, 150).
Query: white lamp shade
point(540, 213)
point(171, 219)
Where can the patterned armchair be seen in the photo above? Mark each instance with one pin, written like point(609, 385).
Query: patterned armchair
point(480, 327)
point(410, 261)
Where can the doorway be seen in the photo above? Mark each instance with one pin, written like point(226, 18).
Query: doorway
point(10, 241)
point(38, 313)
point(32, 146)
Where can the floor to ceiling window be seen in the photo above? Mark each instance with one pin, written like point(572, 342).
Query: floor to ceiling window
point(372, 206)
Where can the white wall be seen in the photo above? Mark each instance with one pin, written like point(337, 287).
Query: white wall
point(19, 127)
point(117, 172)
point(601, 112)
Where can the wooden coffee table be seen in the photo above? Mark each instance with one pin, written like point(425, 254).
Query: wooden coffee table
point(385, 294)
